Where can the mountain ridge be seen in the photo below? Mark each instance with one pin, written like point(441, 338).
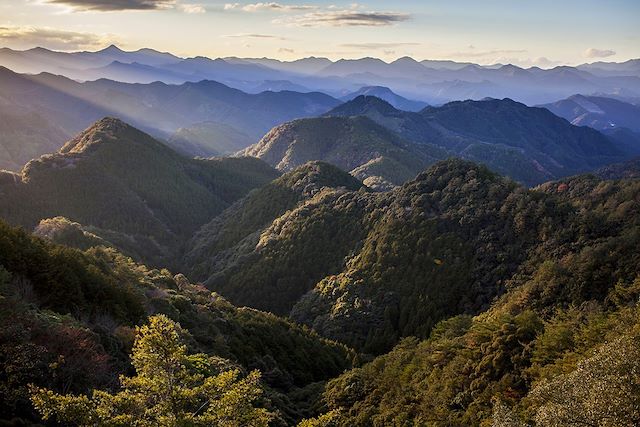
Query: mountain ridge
point(117, 178)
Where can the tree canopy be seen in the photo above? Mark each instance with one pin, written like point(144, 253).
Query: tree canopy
point(170, 388)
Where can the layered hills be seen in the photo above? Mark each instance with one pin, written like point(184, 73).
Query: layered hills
point(530, 145)
point(399, 102)
point(358, 145)
point(598, 112)
point(130, 187)
point(481, 300)
point(68, 319)
point(435, 82)
point(368, 268)
point(201, 118)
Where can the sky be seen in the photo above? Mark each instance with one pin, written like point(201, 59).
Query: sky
point(522, 32)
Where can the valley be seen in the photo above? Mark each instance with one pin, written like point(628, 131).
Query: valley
point(278, 214)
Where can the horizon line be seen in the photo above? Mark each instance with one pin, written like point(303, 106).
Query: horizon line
point(461, 62)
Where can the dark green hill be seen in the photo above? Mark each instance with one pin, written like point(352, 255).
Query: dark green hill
point(67, 318)
point(354, 144)
point(222, 253)
point(114, 177)
point(437, 246)
point(371, 268)
point(530, 145)
point(567, 325)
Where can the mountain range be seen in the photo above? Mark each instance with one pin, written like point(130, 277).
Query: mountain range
point(530, 145)
point(41, 112)
point(478, 297)
point(434, 82)
point(130, 189)
point(598, 112)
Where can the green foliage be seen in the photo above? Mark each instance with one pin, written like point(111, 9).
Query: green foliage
point(329, 419)
point(540, 344)
point(67, 321)
point(114, 177)
point(67, 280)
point(171, 388)
point(603, 389)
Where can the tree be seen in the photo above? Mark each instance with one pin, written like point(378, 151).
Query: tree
point(170, 389)
point(604, 390)
point(329, 419)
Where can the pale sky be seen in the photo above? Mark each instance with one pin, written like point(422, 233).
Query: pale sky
point(522, 32)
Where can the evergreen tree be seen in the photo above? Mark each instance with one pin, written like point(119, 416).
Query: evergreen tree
point(171, 388)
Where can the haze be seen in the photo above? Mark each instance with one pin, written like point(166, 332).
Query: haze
point(525, 33)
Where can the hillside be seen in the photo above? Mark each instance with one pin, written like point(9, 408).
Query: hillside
point(477, 296)
point(117, 178)
point(46, 109)
point(550, 275)
point(625, 170)
point(597, 112)
point(223, 249)
point(68, 321)
point(567, 325)
point(386, 94)
point(530, 145)
point(370, 268)
point(355, 144)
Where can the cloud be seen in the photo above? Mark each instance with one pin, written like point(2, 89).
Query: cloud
point(270, 6)
point(253, 36)
point(376, 46)
point(598, 53)
point(286, 50)
point(544, 62)
point(192, 8)
point(26, 37)
point(344, 18)
point(114, 5)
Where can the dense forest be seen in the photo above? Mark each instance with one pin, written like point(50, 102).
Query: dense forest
point(308, 298)
point(69, 319)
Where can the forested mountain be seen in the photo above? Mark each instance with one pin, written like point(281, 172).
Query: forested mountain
point(530, 145)
point(223, 250)
point(473, 295)
point(136, 192)
point(357, 145)
point(433, 222)
point(566, 326)
point(442, 244)
point(68, 322)
point(551, 274)
point(457, 298)
point(625, 170)
point(43, 111)
point(597, 112)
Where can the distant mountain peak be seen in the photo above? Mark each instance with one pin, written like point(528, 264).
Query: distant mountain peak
point(406, 59)
point(362, 104)
point(112, 48)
